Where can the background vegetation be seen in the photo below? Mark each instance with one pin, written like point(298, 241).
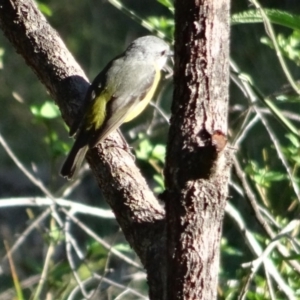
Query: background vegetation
point(260, 245)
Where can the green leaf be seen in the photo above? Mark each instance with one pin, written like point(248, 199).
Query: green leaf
point(262, 176)
point(292, 257)
point(167, 3)
point(144, 150)
point(274, 176)
point(293, 139)
point(290, 45)
point(96, 250)
point(166, 25)
point(159, 152)
point(45, 9)
point(56, 235)
point(48, 110)
point(123, 248)
point(160, 181)
point(276, 16)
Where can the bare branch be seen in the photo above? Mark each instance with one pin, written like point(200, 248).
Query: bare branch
point(137, 210)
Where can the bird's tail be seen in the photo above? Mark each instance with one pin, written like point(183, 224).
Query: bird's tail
point(74, 158)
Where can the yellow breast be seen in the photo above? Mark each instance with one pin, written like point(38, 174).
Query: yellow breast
point(144, 102)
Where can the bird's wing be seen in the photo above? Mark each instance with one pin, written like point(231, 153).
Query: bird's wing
point(77, 122)
point(125, 100)
point(96, 88)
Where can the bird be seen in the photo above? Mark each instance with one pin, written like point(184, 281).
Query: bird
point(118, 94)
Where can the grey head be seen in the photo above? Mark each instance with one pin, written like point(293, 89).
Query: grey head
point(149, 49)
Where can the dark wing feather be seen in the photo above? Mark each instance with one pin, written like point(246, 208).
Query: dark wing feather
point(97, 86)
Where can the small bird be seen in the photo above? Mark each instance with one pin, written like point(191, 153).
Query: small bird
point(118, 94)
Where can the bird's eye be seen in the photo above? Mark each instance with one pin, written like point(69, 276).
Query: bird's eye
point(163, 53)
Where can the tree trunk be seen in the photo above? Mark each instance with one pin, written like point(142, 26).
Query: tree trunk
point(198, 160)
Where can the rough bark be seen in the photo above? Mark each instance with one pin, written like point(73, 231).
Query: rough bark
point(197, 165)
point(137, 210)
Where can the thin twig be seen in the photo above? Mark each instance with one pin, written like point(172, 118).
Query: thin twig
point(257, 250)
point(271, 33)
point(99, 240)
point(270, 286)
point(283, 233)
point(46, 266)
point(96, 278)
point(69, 242)
point(14, 272)
point(26, 233)
point(245, 128)
point(253, 95)
point(251, 197)
point(34, 180)
point(18, 163)
point(75, 206)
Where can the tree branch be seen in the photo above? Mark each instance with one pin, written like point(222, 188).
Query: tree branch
point(137, 210)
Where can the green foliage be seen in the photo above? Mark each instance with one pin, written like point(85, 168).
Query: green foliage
point(292, 152)
point(147, 151)
point(167, 3)
point(163, 24)
point(289, 45)
point(155, 156)
point(45, 9)
point(263, 176)
point(46, 110)
point(123, 247)
point(271, 172)
point(279, 17)
point(43, 114)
